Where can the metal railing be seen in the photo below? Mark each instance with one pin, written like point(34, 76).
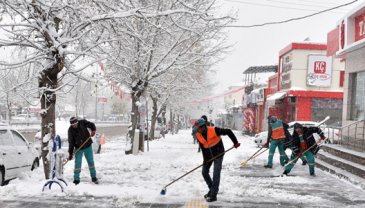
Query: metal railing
point(332, 133)
point(353, 136)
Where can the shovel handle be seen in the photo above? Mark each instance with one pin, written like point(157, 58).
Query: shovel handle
point(198, 167)
point(78, 149)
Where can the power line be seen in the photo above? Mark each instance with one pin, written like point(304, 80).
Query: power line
point(292, 19)
point(273, 6)
point(299, 4)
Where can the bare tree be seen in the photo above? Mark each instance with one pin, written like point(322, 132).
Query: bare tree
point(16, 88)
point(162, 44)
point(59, 38)
point(176, 89)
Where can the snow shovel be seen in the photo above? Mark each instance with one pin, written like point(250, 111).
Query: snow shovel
point(244, 163)
point(78, 149)
point(163, 191)
point(319, 142)
point(297, 157)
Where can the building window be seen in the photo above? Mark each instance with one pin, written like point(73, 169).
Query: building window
point(357, 96)
point(322, 107)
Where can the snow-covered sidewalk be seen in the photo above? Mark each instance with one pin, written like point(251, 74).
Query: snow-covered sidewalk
point(136, 181)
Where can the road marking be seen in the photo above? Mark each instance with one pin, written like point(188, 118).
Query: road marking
point(196, 203)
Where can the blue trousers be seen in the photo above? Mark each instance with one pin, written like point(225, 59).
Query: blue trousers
point(213, 185)
point(90, 161)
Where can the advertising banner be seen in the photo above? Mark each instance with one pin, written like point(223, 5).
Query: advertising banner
point(319, 70)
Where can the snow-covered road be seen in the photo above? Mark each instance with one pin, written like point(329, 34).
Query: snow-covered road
point(136, 181)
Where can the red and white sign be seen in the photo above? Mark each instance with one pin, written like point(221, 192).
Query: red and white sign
point(360, 27)
point(319, 70)
point(102, 100)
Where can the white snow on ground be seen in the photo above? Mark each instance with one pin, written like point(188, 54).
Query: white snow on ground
point(131, 179)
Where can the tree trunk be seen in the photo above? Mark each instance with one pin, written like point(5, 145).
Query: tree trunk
point(47, 83)
point(163, 121)
point(8, 105)
point(134, 117)
point(172, 125)
point(153, 117)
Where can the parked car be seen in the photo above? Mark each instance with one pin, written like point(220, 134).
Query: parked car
point(261, 138)
point(17, 155)
point(333, 133)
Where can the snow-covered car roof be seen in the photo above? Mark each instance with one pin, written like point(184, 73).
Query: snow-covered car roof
point(304, 123)
point(291, 124)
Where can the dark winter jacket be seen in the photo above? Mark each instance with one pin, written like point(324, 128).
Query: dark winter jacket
point(288, 139)
point(217, 149)
point(77, 136)
point(308, 138)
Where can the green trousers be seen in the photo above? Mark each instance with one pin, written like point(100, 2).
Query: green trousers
point(90, 161)
point(302, 157)
point(280, 145)
point(310, 158)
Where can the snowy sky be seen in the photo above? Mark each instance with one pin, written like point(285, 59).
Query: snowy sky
point(261, 46)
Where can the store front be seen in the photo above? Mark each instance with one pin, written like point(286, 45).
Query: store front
point(315, 106)
point(351, 47)
point(309, 85)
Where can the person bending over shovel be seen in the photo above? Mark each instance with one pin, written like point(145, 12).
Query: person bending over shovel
point(79, 138)
point(303, 140)
point(212, 145)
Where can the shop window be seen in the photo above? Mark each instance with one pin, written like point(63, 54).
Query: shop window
point(322, 107)
point(357, 96)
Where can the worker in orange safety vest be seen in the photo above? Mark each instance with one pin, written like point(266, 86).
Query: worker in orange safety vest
point(210, 141)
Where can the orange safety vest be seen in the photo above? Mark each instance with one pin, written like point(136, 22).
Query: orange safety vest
point(212, 138)
point(277, 130)
point(278, 133)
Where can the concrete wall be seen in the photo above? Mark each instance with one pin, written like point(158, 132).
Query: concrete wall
point(355, 62)
point(109, 131)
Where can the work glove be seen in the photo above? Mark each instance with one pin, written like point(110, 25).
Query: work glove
point(69, 157)
point(237, 145)
point(265, 145)
point(92, 134)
